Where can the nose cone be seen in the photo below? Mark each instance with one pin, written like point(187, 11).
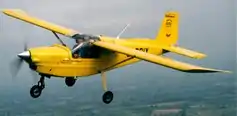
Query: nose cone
point(24, 55)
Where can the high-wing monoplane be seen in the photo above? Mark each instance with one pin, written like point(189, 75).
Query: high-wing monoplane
point(102, 53)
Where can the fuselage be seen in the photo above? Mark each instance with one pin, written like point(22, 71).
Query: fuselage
point(57, 60)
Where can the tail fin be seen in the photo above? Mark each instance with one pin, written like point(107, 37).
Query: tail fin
point(168, 33)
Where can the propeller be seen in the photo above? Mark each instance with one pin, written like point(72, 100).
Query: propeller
point(16, 63)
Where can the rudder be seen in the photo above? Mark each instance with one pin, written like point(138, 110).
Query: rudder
point(168, 33)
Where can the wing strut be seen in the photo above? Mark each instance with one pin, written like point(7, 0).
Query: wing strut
point(59, 38)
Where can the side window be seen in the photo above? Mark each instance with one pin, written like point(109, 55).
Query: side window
point(83, 49)
point(87, 52)
point(94, 52)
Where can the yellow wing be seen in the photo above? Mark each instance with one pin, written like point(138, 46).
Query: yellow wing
point(19, 14)
point(167, 62)
point(185, 52)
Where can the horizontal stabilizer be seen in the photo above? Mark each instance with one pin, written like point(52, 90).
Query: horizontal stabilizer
point(184, 52)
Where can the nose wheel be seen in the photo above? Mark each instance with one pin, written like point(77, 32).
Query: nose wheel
point(36, 90)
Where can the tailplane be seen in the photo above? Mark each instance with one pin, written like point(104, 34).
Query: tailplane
point(167, 37)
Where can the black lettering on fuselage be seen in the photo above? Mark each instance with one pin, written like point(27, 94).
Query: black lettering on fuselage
point(142, 49)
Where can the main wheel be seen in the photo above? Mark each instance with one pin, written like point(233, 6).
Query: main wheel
point(70, 81)
point(35, 91)
point(107, 97)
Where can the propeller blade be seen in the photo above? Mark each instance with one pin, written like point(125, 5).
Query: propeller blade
point(25, 46)
point(34, 75)
point(15, 65)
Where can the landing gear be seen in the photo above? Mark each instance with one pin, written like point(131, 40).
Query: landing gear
point(36, 90)
point(70, 81)
point(108, 95)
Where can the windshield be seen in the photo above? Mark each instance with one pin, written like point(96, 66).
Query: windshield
point(84, 36)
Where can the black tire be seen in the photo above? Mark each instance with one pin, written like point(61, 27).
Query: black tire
point(107, 97)
point(35, 91)
point(70, 81)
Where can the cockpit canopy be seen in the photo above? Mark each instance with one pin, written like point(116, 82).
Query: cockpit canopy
point(85, 49)
point(85, 37)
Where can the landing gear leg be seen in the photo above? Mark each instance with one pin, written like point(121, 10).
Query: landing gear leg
point(108, 95)
point(36, 90)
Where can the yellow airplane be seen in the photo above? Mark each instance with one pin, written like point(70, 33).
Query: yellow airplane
point(106, 53)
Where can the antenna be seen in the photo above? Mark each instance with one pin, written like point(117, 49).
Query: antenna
point(118, 36)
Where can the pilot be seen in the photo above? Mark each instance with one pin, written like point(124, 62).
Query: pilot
point(79, 52)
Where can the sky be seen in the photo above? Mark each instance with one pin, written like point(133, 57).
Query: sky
point(207, 26)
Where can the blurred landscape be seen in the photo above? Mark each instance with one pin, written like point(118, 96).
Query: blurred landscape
point(153, 96)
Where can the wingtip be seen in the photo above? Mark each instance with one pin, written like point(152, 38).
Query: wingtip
point(222, 71)
point(201, 56)
point(207, 70)
point(8, 11)
point(4, 10)
point(225, 71)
